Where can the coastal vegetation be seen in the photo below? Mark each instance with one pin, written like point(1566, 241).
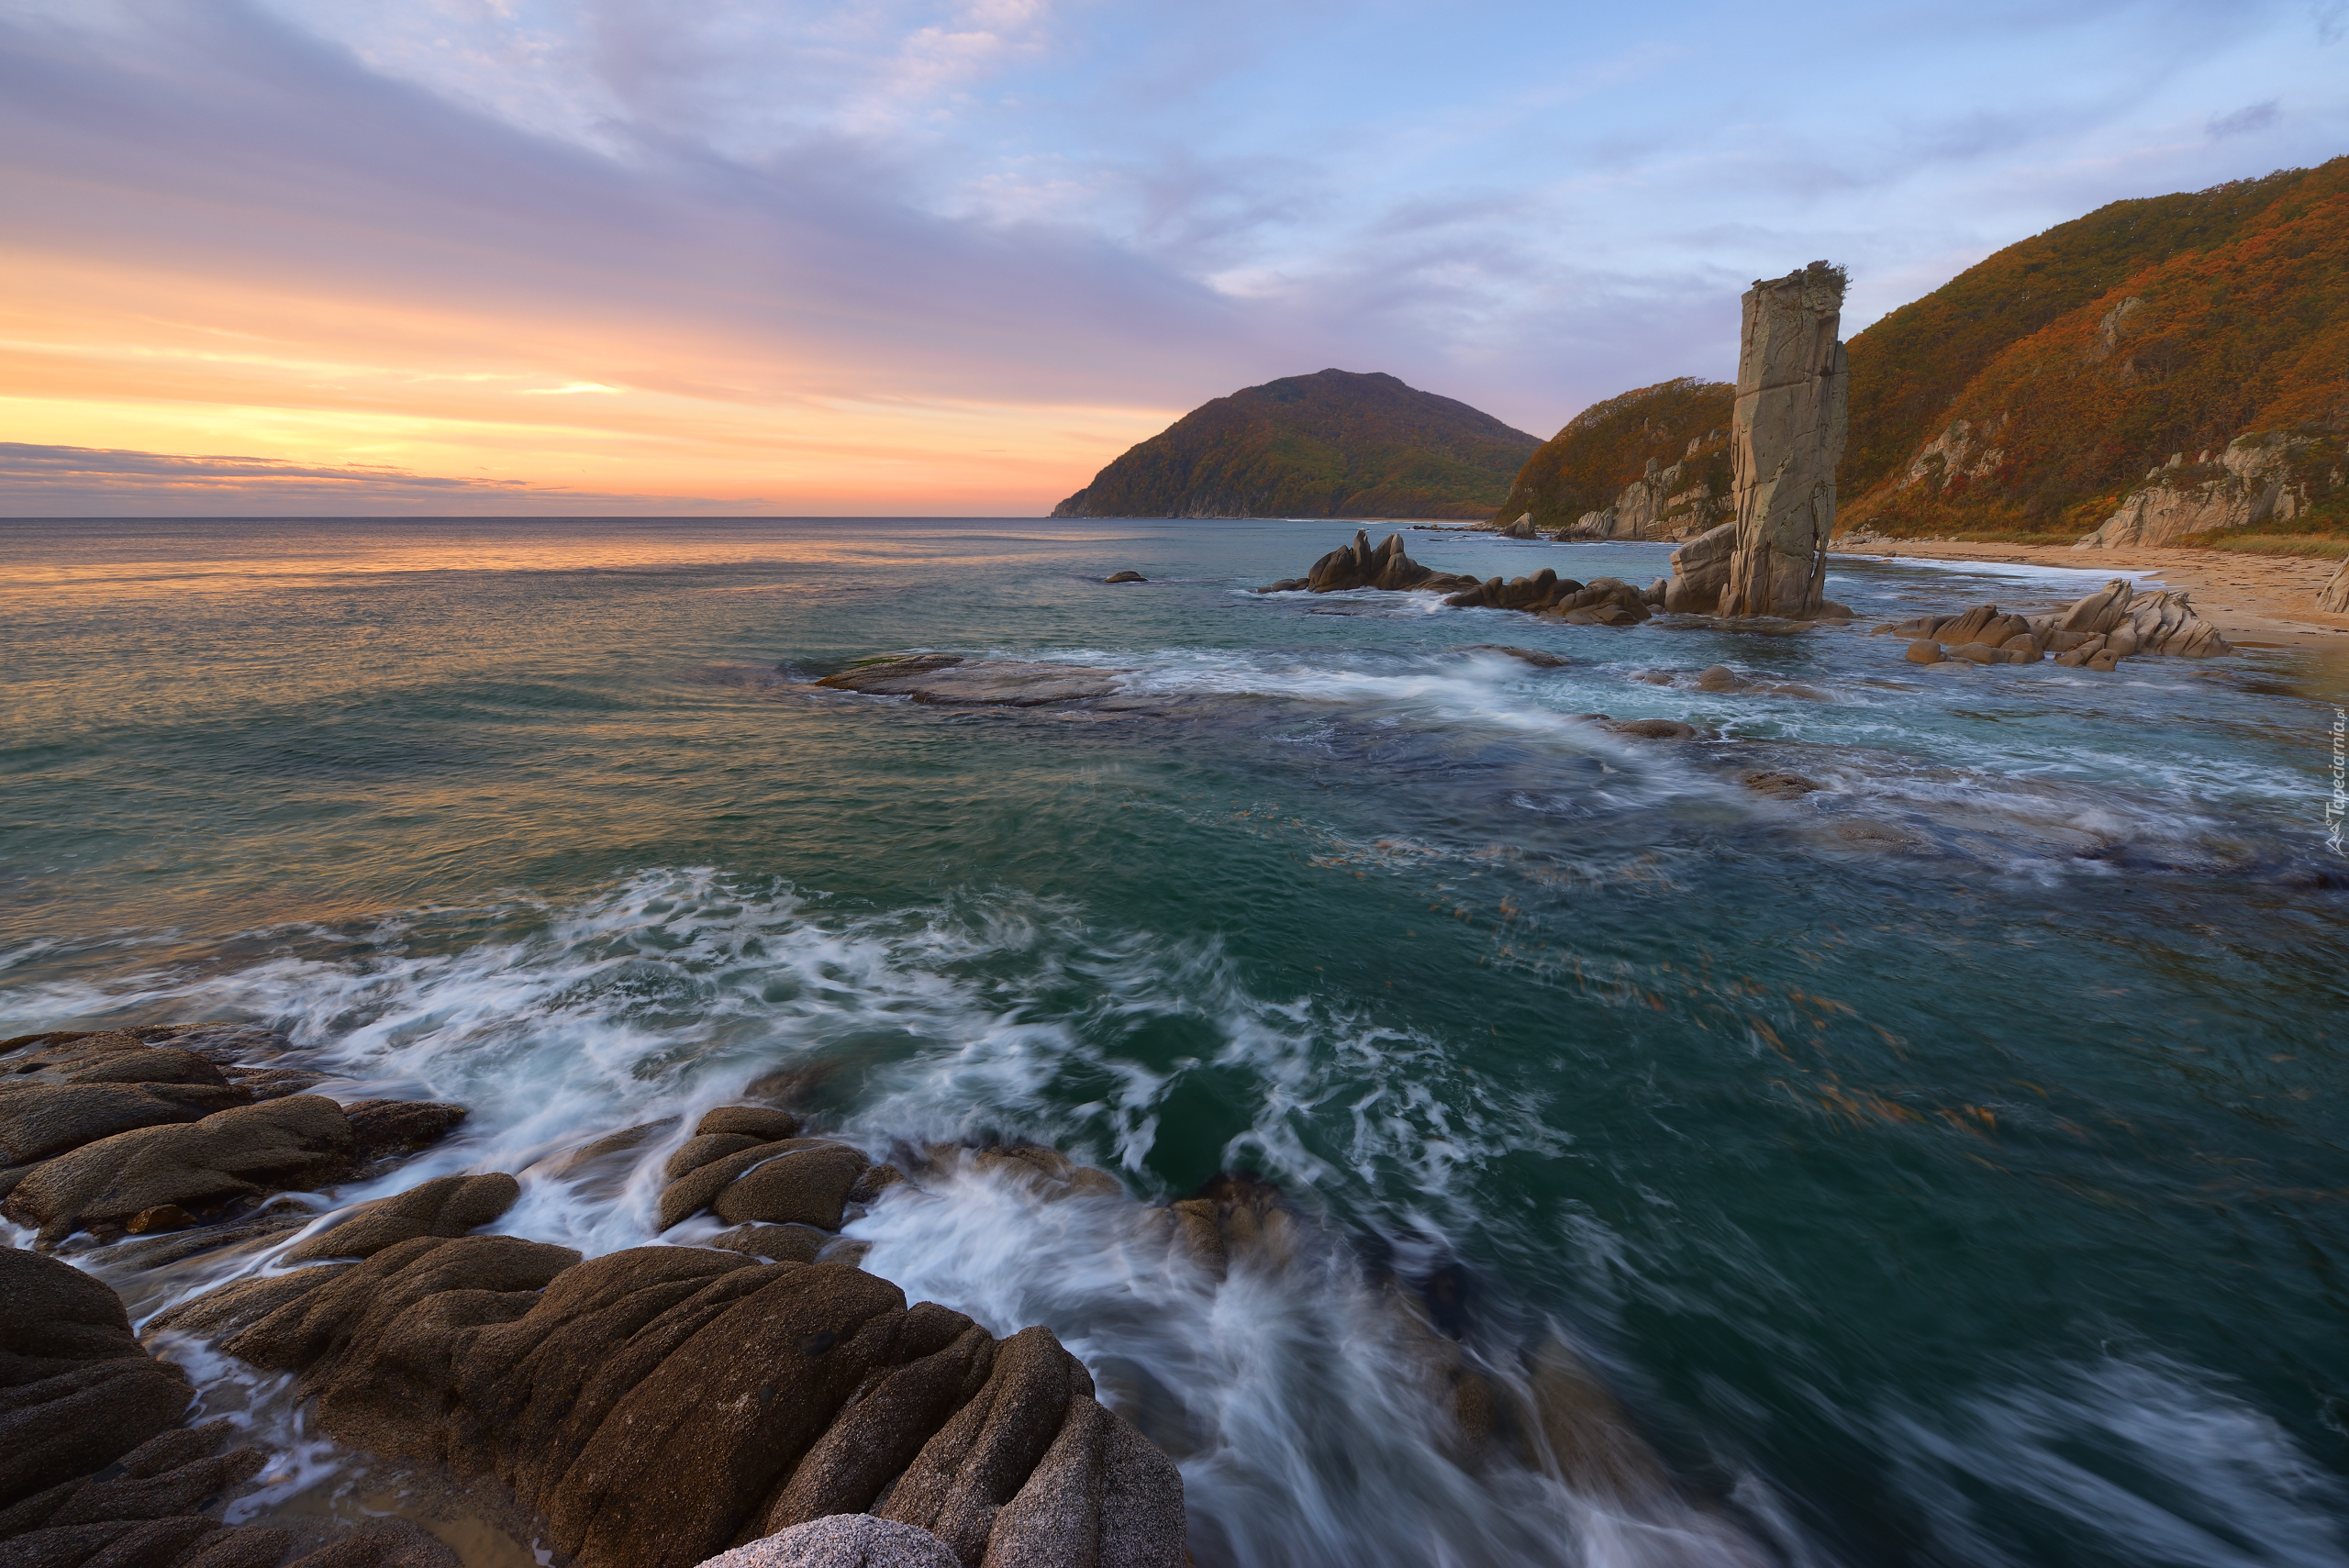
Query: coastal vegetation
point(2184, 358)
point(1613, 444)
point(1334, 444)
point(2033, 394)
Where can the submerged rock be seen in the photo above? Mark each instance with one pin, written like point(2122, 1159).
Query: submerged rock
point(1125, 577)
point(952, 680)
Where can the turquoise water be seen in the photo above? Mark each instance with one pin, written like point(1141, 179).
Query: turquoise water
point(1945, 1166)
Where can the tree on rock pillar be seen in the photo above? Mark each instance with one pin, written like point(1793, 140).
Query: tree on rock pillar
point(1786, 438)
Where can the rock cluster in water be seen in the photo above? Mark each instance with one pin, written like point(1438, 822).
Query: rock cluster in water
point(98, 1467)
point(654, 1407)
point(1603, 601)
point(2096, 631)
point(1357, 565)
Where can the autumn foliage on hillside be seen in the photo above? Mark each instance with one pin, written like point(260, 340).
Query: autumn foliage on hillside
point(1334, 444)
point(2030, 393)
point(1608, 445)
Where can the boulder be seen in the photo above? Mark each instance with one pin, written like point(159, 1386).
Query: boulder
point(762, 1122)
point(780, 1244)
point(1787, 437)
point(1125, 577)
point(697, 1188)
point(700, 1150)
point(1721, 678)
point(1607, 601)
point(388, 1127)
point(302, 1141)
point(842, 1540)
point(448, 1205)
point(808, 1187)
point(1700, 572)
point(95, 1463)
point(2333, 596)
point(39, 1120)
point(1924, 650)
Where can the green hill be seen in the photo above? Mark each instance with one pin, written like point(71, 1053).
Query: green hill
point(2028, 393)
point(1337, 444)
point(1585, 466)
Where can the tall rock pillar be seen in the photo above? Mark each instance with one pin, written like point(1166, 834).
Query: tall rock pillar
point(1786, 438)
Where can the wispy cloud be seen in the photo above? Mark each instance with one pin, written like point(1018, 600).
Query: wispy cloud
point(954, 254)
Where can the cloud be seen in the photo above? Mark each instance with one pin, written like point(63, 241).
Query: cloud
point(36, 480)
point(958, 253)
point(2254, 117)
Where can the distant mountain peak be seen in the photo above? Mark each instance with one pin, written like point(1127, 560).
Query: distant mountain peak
point(1332, 444)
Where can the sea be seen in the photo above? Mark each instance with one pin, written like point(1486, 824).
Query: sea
point(1948, 1165)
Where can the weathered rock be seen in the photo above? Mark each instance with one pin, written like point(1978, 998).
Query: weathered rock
point(39, 1122)
point(1721, 678)
point(95, 1466)
point(302, 1141)
point(783, 1243)
point(1535, 592)
point(448, 1206)
point(762, 1122)
point(1924, 650)
point(156, 1251)
point(1787, 437)
point(1357, 565)
point(384, 1126)
point(1653, 729)
point(381, 1543)
point(842, 1540)
point(700, 1150)
point(697, 1188)
point(1125, 577)
point(1522, 528)
point(241, 1303)
point(1700, 572)
point(2254, 479)
point(2334, 596)
point(1533, 656)
point(1780, 785)
point(1046, 1171)
point(809, 1186)
point(1607, 601)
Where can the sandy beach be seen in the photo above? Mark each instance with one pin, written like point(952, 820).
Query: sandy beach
point(2256, 601)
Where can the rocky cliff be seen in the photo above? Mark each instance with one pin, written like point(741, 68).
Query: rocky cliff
point(1335, 444)
point(2271, 477)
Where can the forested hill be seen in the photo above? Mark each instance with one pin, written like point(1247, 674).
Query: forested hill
point(1585, 466)
point(1335, 444)
point(2027, 394)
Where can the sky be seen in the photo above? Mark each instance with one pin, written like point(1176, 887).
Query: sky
point(949, 257)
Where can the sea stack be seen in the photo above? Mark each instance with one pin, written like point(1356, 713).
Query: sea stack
point(1786, 436)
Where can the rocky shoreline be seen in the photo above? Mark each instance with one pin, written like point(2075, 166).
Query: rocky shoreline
point(749, 1395)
